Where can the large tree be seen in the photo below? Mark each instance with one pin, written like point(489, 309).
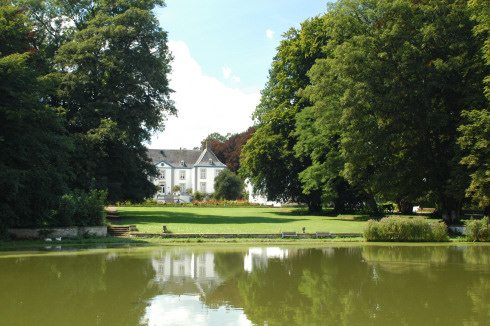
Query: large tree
point(33, 146)
point(268, 158)
point(114, 87)
point(393, 87)
point(475, 132)
point(228, 148)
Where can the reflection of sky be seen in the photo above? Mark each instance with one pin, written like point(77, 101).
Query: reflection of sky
point(189, 310)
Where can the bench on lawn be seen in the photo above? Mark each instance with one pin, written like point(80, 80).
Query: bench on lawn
point(289, 235)
point(322, 234)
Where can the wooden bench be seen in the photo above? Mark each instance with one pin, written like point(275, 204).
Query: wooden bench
point(322, 234)
point(289, 235)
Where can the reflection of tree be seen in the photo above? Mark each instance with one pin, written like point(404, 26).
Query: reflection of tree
point(330, 293)
point(420, 285)
point(479, 293)
point(228, 265)
point(304, 290)
point(311, 288)
point(389, 256)
point(74, 289)
point(477, 255)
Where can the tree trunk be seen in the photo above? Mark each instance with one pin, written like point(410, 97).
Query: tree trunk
point(314, 207)
point(372, 205)
point(450, 209)
point(405, 207)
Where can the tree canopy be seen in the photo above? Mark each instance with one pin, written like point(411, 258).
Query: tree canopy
point(33, 145)
point(228, 148)
point(268, 158)
point(84, 85)
point(228, 186)
point(377, 93)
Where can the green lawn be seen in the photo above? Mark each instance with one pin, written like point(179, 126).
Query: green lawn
point(233, 220)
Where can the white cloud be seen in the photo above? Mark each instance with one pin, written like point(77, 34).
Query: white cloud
point(269, 33)
point(226, 72)
point(204, 104)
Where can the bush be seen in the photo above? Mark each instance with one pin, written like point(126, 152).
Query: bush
point(81, 208)
point(478, 230)
point(405, 229)
point(227, 186)
point(199, 195)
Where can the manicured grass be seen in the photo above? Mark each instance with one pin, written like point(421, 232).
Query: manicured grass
point(233, 220)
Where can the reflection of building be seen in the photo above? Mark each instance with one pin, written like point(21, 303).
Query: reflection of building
point(259, 257)
point(180, 273)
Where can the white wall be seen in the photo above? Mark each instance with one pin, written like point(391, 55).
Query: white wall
point(192, 178)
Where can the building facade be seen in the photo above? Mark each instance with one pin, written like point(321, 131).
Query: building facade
point(191, 170)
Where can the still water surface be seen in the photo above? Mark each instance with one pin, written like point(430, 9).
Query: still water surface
point(334, 285)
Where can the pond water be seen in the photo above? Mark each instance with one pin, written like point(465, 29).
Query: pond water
point(284, 285)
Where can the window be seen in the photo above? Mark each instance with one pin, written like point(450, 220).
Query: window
point(203, 173)
point(182, 175)
point(203, 186)
point(217, 172)
point(162, 164)
point(210, 161)
point(161, 175)
point(162, 187)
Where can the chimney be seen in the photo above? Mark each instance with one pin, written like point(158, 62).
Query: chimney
point(208, 144)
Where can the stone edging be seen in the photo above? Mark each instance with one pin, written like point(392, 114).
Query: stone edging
point(240, 235)
point(63, 232)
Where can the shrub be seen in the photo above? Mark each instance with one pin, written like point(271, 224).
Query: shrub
point(199, 195)
point(478, 230)
point(65, 215)
point(227, 186)
point(405, 229)
point(81, 208)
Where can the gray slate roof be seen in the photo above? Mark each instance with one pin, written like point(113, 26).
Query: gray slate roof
point(191, 157)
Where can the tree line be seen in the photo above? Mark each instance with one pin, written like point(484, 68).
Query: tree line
point(378, 101)
point(83, 85)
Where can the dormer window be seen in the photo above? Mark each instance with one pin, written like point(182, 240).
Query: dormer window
point(182, 163)
point(211, 161)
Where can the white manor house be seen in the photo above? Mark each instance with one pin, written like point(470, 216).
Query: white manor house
point(189, 169)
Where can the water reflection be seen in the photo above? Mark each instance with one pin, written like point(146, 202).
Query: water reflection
point(365, 285)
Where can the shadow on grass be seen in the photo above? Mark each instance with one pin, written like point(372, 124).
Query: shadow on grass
point(146, 217)
point(331, 216)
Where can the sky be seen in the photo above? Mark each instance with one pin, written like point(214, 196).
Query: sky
point(222, 51)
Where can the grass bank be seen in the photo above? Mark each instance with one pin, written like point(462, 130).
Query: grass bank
point(235, 220)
